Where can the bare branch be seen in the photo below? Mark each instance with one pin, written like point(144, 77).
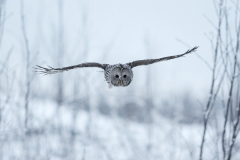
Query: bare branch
point(27, 63)
point(6, 60)
point(210, 100)
point(230, 100)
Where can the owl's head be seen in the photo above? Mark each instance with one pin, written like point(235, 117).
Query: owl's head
point(121, 75)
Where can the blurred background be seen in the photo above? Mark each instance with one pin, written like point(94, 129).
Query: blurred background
point(186, 108)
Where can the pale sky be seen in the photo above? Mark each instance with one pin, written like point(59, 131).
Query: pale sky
point(124, 25)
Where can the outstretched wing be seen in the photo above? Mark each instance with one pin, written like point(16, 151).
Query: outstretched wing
point(51, 70)
point(151, 61)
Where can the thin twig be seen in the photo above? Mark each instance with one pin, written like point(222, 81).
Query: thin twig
point(27, 64)
point(6, 60)
point(200, 57)
point(210, 22)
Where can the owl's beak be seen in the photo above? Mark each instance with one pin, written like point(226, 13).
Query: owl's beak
point(121, 81)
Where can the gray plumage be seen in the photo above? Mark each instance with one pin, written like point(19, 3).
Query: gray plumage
point(115, 75)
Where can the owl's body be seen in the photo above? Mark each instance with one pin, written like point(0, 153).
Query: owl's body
point(115, 75)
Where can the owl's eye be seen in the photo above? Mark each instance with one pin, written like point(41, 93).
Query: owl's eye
point(117, 76)
point(125, 76)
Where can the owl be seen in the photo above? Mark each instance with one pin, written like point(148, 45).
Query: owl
point(120, 75)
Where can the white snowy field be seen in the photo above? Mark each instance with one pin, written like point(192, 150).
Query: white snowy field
point(68, 133)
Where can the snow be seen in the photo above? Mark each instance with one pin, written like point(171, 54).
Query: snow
point(109, 137)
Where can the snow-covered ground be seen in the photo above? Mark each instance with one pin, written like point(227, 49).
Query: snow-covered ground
point(54, 134)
